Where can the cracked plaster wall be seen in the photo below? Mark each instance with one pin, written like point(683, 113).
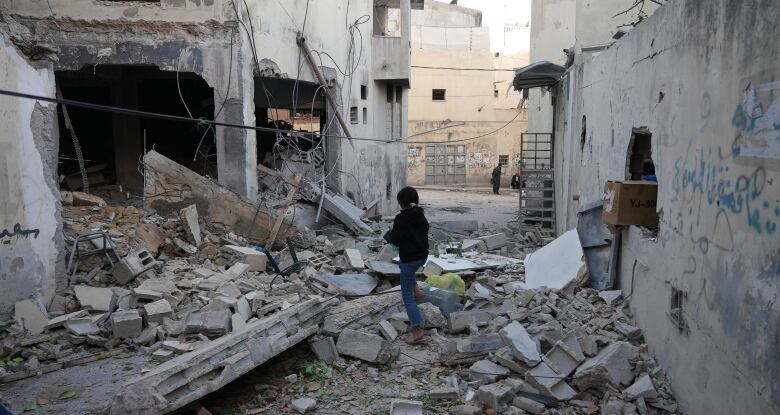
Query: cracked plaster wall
point(701, 76)
point(30, 219)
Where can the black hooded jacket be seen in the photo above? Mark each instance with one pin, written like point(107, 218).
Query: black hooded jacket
point(410, 234)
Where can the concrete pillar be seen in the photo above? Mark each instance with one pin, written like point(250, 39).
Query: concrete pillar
point(236, 148)
point(127, 131)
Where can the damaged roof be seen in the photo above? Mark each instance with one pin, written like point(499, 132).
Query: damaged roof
point(537, 74)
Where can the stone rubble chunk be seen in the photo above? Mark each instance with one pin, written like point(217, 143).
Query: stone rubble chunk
point(189, 221)
point(354, 258)
point(388, 330)
point(487, 371)
point(256, 260)
point(156, 311)
point(611, 296)
point(494, 241)
point(494, 395)
point(126, 323)
point(522, 345)
point(432, 316)
point(81, 326)
point(177, 346)
point(405, 407)
point(31, 315)
point(324, 348)
point(237, 270)
point(529, 405)
point(60, 321)
point(302, 405)
point(465, 410)
point(444, 392)
point(611, 366)
point(505, 358)
point(549, 382)
point(163, 355)
point(364, 346)
point(461, 320)
point(132, 265)
point(641, 388)
point(95, 298)
point(631, 332)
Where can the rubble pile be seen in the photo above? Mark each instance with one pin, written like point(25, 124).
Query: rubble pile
point(182, 289)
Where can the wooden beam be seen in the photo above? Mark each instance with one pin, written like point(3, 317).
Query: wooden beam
point(296, 182)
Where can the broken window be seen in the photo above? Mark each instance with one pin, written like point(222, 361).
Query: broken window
point(399, 94)
point(503, 160)
point(676, 310)
point(639, 165)
point(363, 92)
point(438, 94)
point(353, 115)
point(365, 115)
point(390, 93)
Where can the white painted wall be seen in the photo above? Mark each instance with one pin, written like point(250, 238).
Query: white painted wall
point(29, 199)
point(701, 76)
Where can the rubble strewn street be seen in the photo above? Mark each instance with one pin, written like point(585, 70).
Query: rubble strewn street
point(511, 349)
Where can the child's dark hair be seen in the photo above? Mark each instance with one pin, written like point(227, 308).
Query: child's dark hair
point(408, 197)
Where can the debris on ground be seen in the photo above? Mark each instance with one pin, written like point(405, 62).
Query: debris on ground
point(200, 304)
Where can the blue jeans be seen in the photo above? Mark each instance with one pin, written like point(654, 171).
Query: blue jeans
point(408, 284)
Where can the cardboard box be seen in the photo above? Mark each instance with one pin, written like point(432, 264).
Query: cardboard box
point(630, 203)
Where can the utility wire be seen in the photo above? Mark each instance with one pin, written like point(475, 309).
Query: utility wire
point(203, 121)
point(463, 69)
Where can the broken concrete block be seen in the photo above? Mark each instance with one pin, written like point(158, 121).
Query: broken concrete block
point(237, 270)
point(156, 311)
point(86, 199)
point(461, 320)
point(95, 299)
point(60, 321)
point(363, 346)
point(354, 258)
point(505, 358)
point(237, 322)
point(150, 236)
point(210, 323)
point(342, 244)
point(324, 348)
point(641, 388)
point(405, 407)
point(587, 343)
point(148, 335)
point(431, 268)
point(388, 330)
point(479, 344)
point(189, 221)
point(83, 326)
point(386, 254)
point(432, 316)
point(495, 395)
point(487, 371)
point(558, 265)
point(185, 247)
point(522, 345)
point(494, 241)
point(631, 332)
point(616, 406)
point(549, 382)
point(256, 260)
point(611, 297)
point(465, 410)
point(163, 355)
point(612, 365)
point(177, 346)
point(173, 327)
point(565, 355)
point(349, 284)
point(132, 265)
point(528, 405)
point(444, 392)
point(31, 315)
point(302, 405)
point(126, 323)
point(229, 290)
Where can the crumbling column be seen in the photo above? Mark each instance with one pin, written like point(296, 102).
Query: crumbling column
point(236, 148)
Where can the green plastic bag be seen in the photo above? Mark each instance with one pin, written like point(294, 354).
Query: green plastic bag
point(449, 281)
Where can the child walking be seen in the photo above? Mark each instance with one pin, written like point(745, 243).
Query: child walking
point(410, 235)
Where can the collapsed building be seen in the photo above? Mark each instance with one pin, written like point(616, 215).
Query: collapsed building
point(282, 69)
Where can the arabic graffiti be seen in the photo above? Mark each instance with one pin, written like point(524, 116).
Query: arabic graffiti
point(6, 237)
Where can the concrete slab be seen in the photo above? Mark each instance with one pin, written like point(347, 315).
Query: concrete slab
point(520, 342)
point(95, 298)
point(189, 221)
point(31, 315)
point(558, 265)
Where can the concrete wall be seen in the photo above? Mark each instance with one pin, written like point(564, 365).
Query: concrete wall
point(701, 77)
point(30, 227)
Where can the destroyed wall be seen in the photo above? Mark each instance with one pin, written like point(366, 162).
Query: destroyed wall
point(30, 225)
point(339, 34)
point(700, 76)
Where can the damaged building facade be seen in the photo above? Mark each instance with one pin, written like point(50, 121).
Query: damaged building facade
point(691, 91)
point(233, 62)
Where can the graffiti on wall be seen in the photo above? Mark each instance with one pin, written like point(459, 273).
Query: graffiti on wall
point(7, 236)
point(746, 197)
point(757, 117)
point(415, 157)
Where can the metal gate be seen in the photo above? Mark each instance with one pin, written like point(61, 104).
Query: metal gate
point(445, 164)
point(537, 181)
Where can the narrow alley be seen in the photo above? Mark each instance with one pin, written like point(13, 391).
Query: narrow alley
point(399, 207)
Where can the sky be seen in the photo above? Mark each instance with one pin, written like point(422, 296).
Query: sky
point(508, 20)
